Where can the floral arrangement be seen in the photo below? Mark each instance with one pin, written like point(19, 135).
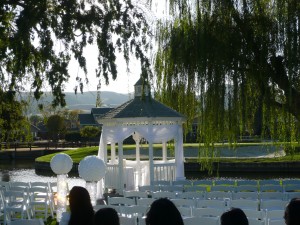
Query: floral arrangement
point(61, 163)
point(91, 169)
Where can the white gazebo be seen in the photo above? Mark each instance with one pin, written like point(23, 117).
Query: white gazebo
point(141, 117)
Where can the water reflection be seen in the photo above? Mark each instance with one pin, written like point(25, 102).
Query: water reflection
point(23, 170)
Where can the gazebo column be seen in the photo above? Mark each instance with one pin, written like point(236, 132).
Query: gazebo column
point(151, 163)
point(164, 151)
point(113, 153)
point(121, 175)
point(138, 177)
point(102, 154)
point(179, 159)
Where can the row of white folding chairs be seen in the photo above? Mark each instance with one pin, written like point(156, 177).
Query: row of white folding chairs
point(229, 182)
point(26, 202)
point(225, 188)
point(136, 214)
point(213, 195)
point(268, 204)
point(51, 188)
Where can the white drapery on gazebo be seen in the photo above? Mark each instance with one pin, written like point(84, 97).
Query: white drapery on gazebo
point(147, 119)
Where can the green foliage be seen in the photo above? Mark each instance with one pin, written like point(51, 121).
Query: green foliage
point(241, 59)
point(56, 126)
point(90, 132)
point(13, 124)
point(39, 38)
point(73, 136)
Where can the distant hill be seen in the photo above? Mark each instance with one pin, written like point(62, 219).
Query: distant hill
point(84, 101)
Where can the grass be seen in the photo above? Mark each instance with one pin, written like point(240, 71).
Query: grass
point(80, 153)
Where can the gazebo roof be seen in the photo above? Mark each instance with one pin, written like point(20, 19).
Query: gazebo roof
point(141, 107)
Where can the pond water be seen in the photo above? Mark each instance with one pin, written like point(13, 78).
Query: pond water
point(23, 170)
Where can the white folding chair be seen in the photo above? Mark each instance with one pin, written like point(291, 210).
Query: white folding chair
point(246, 188)
point(253, 221)
point(269, 182)
point(269, 188)
point(245, 204)
point(190, 203)
point(145, 201)
point(141, 220)
point(196, 189)
point(271, 195)
point(149, 188)
point(272, 204)
point(128, 220)
point(203, 182)
point(207, 212)
point(161, 182)
point(177, 188)
point(182, 182)
point(185, 211)
point(201, 220)
point(290, 182)
point(218, 195)
point(18, 184)
point(247, 182)
point(1, 201)
point(245, 195)
point(4, 184)
point(39, 201)
point(292, 188)
point(223, 188)
point(135, 194)
point(27, 222)
point(276, 222)
point(133, 211)
point(291, 195)
point(164, 194)
point(255, 214)
point(120, 201)
point(15, 205)
point(192, 195)
point(213, 203)
point(224, 182)
point(275, 214)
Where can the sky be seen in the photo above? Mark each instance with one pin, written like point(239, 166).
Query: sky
point(125, 81)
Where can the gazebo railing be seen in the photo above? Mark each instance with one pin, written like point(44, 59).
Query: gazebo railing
point(111, 176)
point(164, 171)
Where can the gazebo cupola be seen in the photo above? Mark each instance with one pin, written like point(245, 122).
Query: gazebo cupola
point(141, 89)
point(141, 117)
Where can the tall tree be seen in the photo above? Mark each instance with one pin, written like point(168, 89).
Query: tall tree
point(243, 60)
point(38, 38)
point(56, 127)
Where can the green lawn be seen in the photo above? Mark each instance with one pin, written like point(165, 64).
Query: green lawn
point(80, 153)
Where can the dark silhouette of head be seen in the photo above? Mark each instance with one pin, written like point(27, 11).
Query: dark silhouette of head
point(234, 216)
point(82, 212)
point(292, 212)
point(163, 212)
point(106, 216)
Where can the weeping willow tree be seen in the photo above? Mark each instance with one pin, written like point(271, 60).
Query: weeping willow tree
point(39, 39)
point(233, 64)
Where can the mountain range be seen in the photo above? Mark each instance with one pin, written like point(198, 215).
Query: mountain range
point(81, 101)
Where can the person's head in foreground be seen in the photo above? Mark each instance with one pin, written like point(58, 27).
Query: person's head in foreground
point(234, 216)
point(163, 212)
point(292, 212)
point(106, 216)
point(81, 208)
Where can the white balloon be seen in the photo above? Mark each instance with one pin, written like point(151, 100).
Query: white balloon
point(61, 163)
point(92, 168)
